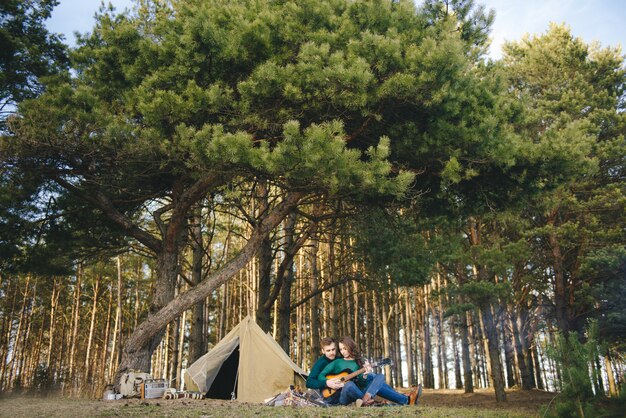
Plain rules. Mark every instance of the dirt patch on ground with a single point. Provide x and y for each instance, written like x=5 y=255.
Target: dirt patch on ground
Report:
x=529 y=401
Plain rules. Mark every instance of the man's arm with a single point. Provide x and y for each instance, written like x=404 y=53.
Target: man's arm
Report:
x=314 y=381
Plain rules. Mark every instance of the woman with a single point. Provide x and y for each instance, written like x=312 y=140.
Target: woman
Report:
x=364 y=387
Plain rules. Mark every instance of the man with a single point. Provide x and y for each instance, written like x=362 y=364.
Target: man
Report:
x=329 y=353
x=364 y=387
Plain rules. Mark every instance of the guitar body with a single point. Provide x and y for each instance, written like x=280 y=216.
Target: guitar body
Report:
x=328 y=392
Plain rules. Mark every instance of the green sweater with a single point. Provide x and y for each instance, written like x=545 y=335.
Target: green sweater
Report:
x=314 y=381
x=342 y=365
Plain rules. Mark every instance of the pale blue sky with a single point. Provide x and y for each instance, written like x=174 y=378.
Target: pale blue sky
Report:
x=592 y=20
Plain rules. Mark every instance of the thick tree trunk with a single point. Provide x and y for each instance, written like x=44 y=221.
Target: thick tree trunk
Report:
x=286 y=271
x=522 y=361
x=173 y=343
x=142 y=342
x=197 y=340
x=265 y=256
x=263 y=313
x=509 y=352
x=491 y=335
x=466 y=344
x=560 y=281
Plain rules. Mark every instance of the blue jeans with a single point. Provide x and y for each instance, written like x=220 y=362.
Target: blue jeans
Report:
x=375 y=386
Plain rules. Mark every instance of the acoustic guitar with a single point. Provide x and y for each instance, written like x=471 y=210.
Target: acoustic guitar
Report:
x=348 y=375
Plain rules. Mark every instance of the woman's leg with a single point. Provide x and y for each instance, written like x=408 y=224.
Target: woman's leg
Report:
x=390 y=394
x=374 y=383
x=349 y=393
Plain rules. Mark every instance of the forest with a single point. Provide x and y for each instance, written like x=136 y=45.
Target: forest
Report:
x=329 y=167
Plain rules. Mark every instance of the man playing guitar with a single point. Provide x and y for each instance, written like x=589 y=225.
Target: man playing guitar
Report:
x=329 y=353
x=363 y=388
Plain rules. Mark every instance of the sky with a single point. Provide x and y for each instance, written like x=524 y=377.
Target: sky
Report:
x=592 y=20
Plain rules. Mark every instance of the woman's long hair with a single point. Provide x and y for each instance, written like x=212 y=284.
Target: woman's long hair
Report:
x=349 y=343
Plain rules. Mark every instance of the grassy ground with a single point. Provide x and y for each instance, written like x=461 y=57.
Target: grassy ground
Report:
x=435 y=404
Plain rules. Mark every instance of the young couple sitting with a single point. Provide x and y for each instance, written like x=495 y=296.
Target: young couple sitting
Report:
x=363 y=388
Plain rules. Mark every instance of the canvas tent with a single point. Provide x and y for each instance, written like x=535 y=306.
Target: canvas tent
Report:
x=247 y=362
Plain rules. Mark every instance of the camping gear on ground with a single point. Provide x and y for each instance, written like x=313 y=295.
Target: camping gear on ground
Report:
x=292 y=397
x=131 y=383
x=153 y=388
x=172 y=393
x=247 y=365
x=110 y=395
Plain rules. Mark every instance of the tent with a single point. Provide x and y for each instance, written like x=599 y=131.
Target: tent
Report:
x=246 y=362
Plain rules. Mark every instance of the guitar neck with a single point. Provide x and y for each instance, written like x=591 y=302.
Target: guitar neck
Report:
x=353 y=375
x=358 y=372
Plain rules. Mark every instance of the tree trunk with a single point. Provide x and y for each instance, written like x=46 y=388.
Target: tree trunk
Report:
x=104 y=376
x=54 y=300
x=610 y=375
x=458 y=381
x=408 y=341
x=265 y=256
x=315 y=302
x=92 y=325
x=466 y=344
x=75 y=325
x=522 y=361
x=560 y=281
x=427 y=362
x=396 y=332
x=286 y=271
x=509 y=351
x=18 y=334
x=197 y=341
x=491 y=335
x=385 y=315
x=174 y=337
x=536 y=374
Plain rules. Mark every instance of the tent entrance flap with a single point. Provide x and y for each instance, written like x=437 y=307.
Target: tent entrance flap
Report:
x=226 y=379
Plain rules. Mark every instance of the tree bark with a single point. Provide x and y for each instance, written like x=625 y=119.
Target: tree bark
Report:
x=560 y=281
x=509 y=351
x=613 y=393
x=286 y=278
x=408 y=340
x=92 y=326
x=427 y=362
x=265 y=257
x=197 y=341
x=315 y=302
x=522 y=361
x=468 y=381
x=490 y=332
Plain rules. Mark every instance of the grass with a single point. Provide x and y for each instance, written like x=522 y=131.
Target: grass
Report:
x=435 y=404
